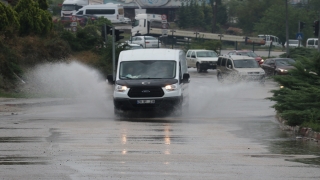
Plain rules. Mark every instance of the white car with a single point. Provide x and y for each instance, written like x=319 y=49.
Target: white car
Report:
x=237 y=68
x=128 y=46
x=145 y=41
x=293 y=43
x=201 y=59
x=126 y=20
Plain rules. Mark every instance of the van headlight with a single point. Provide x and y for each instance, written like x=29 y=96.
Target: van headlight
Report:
x=120 y=88
x=171 y=87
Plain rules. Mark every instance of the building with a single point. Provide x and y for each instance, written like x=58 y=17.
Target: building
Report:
x=167 y=7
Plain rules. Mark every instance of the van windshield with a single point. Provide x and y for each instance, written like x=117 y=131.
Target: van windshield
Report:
x=206 y=54
x=245 y=63
x=153 y=69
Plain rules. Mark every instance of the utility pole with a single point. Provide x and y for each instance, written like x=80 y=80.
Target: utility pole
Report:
x=287 y=30
x=214 y=16
x=319 y=34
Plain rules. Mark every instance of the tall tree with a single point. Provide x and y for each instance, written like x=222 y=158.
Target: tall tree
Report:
x=8 y=17
x=33 y=19
x=43 y=4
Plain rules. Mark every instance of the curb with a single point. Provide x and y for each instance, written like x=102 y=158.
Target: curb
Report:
x=304 y=133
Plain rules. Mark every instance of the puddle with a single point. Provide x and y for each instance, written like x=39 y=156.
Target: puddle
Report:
x=281 y=143
x=14 y=160
x=19 y=139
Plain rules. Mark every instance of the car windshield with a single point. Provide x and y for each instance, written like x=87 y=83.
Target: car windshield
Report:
x=70 y=7
x=293 y=42
x=150 y=38
x=135 y=47
x=206 y=54
x=245 y=63
x=285 y=62
x=152 y=69
x=250 y=54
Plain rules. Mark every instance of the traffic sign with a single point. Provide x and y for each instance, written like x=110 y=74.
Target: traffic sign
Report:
x=74 y=29
x=164 y=32
x=74 y=18
x=299 y=36
x=74 y=24
x=164 y=17
x=164 y=26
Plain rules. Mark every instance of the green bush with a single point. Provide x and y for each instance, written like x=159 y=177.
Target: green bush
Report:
x=299 y=100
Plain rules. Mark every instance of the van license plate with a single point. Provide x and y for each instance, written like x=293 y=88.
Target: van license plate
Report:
x=146 y=101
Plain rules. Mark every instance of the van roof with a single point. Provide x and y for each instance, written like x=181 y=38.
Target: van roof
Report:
x=149 y=54
x=101 y=5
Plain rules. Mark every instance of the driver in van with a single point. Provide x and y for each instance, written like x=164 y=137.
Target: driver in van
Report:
x=163 y=72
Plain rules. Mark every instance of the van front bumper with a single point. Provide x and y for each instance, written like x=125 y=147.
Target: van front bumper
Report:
x=167 y=104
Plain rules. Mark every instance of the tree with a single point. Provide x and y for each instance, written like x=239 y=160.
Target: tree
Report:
x=299 y=101
x=43 y=4
x=273 y=22
x=8 y=18
x=33 y=19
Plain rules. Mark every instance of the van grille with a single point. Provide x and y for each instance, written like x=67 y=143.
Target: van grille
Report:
x=145 y=92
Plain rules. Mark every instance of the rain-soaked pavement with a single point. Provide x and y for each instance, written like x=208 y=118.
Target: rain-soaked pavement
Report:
x=229 y=132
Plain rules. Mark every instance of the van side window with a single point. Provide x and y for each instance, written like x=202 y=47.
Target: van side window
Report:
x=310 y=42
x=100 y=11
x=188 y=54
x=229 y=63
x=223 y=63
x=193 y=54
x=316 y=42
x=219 y=62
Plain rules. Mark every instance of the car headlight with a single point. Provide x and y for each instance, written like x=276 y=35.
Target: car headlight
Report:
x=261 y=60
x=120 y=88
x=262 y=72
x=171 y=87
x=282 y=70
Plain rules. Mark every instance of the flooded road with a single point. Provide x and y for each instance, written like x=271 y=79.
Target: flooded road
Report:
x=229 y=132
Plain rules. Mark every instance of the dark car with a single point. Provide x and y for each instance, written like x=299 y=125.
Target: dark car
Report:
x=247 y=53
x=83 y=19
x=277 y=66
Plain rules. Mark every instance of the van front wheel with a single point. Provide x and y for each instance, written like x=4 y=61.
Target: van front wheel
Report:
x=199 y=68
x=219 y=77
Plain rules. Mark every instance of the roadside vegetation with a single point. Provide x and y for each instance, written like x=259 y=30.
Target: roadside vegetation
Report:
x=298 y=99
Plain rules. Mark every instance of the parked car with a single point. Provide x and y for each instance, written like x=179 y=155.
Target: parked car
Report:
x=201 y=59
x=277 y=66
x=145 y=41
x=312 y=43
x=293 y=43
x=127 y=46
x=247 y=53
x=239 y=68
x=126 y=20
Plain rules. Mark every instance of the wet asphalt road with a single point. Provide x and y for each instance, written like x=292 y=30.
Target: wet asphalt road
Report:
x=229 y=132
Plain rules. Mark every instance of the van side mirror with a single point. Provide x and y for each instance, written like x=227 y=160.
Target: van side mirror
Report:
x=229 y=66
x=193 y=56
x=185 y=78
x=110 y=79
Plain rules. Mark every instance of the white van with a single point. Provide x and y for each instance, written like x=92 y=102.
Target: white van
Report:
x=312 y=43
x=113 y=12
x=151 y=80
x=271 y=38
